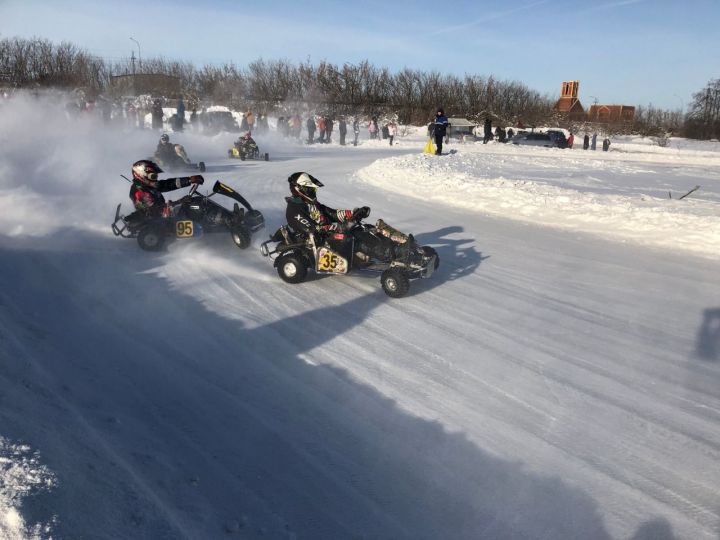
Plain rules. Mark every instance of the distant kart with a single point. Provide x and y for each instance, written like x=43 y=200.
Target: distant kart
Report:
x=178 y=162
x=192 y=216
x=252 y=152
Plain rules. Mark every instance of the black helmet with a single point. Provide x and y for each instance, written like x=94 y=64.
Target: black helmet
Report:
x=145 y=171
x=440 y=110
x=164 y=138
x=304 y=185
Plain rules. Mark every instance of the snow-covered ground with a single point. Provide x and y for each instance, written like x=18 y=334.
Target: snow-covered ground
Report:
x=558 y=377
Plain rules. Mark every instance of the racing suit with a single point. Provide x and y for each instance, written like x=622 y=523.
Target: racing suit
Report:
x=317 y=218
x=148 y=198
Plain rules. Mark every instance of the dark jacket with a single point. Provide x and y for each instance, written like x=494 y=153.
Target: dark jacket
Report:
x=146 y=197
x=441 y=124
x=311 y=125
x=342 y=127
x=314 y=218
x=165 y=151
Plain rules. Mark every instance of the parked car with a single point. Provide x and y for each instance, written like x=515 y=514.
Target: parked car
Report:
x=548 y=139
x=217 y=121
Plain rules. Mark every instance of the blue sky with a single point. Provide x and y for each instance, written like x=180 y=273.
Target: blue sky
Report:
x=630 y=52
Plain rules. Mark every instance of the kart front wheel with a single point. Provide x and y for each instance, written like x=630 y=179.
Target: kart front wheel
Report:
x=395 y=282
x=241 y=237
x=291 y=269
x=151 y=238
x=267 y=156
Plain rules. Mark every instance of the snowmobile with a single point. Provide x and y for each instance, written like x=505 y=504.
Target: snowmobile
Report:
x=191 y=216
x=293 y=254
x=178 y=162
x=248 y=151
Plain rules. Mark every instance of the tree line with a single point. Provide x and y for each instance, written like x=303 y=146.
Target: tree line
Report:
x=280 y=86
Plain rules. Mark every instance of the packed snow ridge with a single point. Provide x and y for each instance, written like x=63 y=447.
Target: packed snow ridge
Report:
x=625 y=194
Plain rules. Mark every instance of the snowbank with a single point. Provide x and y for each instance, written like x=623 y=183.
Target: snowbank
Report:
x=608 y=194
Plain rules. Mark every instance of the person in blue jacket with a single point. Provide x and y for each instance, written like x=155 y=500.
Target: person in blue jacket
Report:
x=441 y=124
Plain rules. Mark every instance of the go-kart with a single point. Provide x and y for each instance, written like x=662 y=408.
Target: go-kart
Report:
x=295 y=253
x=178 y=161
x=191 y=216
x=249 y=151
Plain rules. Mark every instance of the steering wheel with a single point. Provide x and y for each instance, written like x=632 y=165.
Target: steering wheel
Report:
x=193 y=189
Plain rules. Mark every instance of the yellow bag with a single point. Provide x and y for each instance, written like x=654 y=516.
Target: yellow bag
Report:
x=429 y=147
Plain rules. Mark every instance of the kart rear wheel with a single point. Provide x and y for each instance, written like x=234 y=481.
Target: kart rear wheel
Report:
x=151 y=238
x=242 y=156
x=429 y=252
x=241 y=237
x=291 y=268
x=267 y=156
x=395 y=282
x=201 y=166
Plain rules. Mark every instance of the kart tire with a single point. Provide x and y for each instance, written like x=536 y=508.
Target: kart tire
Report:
x=242 y=156
x=201 y=166
x=395 y=282
x=267 y=156
x=430 y=252
x=291 y=268
x=151 y=238
x=241 y=237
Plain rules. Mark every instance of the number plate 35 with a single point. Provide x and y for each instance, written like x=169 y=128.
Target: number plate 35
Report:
x=329 y=261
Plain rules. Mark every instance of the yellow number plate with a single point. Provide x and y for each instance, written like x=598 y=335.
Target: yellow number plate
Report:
x=183 y=229
x=329 y=261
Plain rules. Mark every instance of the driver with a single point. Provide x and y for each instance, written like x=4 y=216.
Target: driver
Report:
x=305 y=214
x=146 y=192
x=165 y=151
x=246 y=143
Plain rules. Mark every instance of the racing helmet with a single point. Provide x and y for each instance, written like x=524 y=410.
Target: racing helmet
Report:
x=146 y=171
x=304 y=185
x=164 y=138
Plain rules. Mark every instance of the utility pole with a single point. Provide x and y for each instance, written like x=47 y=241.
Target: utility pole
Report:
x=139 y=55
x=132 y=61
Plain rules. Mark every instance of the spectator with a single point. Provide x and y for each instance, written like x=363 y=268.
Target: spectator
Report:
x=328 y=128
x=441 y=124
x=180 y=114
x=194 y=119
x=593 y=143
x=373 y=128
x=586 y=142
x=342 y=128
x=250 y=117
x=487 y=129
x=606 y=144
x=392 y=130
x=297 y=126
x=356 y=130
x=385 y=132
x=510 y=133
x=321 y=129
x=244 y=126
x=157 y=115
x=570 y=140
x=502 y=137
x=311 y=129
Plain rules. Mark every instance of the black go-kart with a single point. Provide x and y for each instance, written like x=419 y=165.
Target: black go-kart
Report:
x=178 y=161
x=247 y=152
x=189 y=217
x=294 y=254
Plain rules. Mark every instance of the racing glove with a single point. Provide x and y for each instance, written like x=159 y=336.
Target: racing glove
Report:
x=197 y=179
